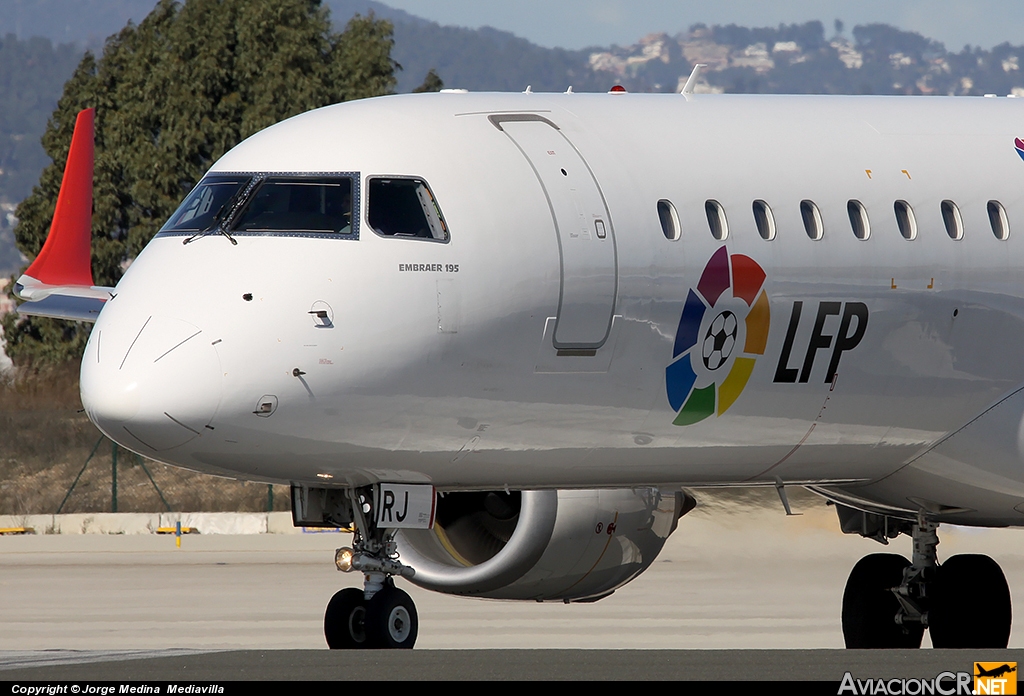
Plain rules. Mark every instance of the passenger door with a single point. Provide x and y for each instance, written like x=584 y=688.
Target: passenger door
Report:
x=586 y=240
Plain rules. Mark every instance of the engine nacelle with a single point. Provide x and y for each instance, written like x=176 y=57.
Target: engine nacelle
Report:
x=566 y=545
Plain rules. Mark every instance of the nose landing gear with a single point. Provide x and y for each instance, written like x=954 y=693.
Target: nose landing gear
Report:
x=889 y=601
x=380 y=615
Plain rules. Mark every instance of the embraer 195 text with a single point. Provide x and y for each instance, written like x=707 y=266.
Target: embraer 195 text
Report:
x=502 y=336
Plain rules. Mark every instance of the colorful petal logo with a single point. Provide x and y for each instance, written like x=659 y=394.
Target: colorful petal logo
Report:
x=714 y=323
x=1019 y=144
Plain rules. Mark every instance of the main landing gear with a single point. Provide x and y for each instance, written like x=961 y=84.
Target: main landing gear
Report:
x=889 y=601
x=380 y=615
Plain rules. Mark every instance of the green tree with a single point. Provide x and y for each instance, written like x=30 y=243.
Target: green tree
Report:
x=172 y=95
x=431 y=83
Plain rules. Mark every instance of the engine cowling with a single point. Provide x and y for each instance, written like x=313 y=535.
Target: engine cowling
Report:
x=570 y=545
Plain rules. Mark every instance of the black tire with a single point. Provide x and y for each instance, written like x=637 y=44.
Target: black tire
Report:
x=391 y=620
x=870 y=607
x=344 y=620
x=970 y=604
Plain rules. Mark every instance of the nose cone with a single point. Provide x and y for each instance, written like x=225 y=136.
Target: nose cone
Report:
x=150 y=382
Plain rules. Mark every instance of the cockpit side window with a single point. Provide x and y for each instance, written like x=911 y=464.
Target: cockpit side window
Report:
x=405 y=207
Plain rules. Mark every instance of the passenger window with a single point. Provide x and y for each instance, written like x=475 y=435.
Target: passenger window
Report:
x=997 y=218
x=669 y=220
x=858 y=219
x=952 y=220
x=405 y=208
x=716 y=220
x=299 y=204
x=765 y=220
x=905 y=220
x=812 y=220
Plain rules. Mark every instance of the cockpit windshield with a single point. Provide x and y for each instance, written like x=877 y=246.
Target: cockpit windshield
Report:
x=318 y=205
x=207 y=205
x=321 y=205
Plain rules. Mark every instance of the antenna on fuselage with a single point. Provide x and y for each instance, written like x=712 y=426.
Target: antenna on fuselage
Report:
x=691 y=81
x=780 y=488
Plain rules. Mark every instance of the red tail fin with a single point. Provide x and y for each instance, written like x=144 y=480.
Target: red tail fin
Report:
x=65 y=258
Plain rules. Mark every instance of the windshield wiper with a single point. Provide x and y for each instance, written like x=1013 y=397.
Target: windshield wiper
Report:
x=215 y=223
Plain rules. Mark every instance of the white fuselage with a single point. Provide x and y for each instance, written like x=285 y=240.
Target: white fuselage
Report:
x=507 y=357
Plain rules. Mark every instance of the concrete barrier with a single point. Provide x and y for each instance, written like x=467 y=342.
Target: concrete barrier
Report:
x=217 y=522
x=148 y=523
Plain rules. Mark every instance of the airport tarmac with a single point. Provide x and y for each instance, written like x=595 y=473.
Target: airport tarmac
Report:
x=730 y=578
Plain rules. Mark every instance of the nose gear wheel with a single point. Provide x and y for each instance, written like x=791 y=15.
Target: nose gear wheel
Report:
x=344 y=620
x=391 y=620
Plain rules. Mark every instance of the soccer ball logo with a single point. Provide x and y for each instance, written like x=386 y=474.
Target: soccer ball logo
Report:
x=720 y=333
x=720 y=340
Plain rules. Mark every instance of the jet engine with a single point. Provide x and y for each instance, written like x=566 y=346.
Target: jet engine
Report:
x=570 y=545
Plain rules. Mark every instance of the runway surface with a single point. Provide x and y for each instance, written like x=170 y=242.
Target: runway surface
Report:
x=731 y=578
x=504 y=665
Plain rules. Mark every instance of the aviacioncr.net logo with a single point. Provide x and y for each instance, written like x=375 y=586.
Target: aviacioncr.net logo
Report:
x=945 y=684
x=722 y=329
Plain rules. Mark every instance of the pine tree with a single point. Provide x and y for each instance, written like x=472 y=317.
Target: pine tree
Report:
x=172 y=95
x=431 y=83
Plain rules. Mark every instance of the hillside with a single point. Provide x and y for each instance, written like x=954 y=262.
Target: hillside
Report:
x=32 y=75
x=800 y=58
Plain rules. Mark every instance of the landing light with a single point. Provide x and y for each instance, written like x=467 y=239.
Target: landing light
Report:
x=343 y=559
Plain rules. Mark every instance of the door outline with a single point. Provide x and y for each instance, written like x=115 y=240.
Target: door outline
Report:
x=575 y=347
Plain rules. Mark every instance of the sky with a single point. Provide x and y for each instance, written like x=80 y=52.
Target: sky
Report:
x=581 y=23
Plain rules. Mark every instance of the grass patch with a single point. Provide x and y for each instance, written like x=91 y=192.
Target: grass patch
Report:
x=45 y=438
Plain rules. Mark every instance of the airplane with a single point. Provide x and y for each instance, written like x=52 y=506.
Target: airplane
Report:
x=995 y=671
x=505 y=337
